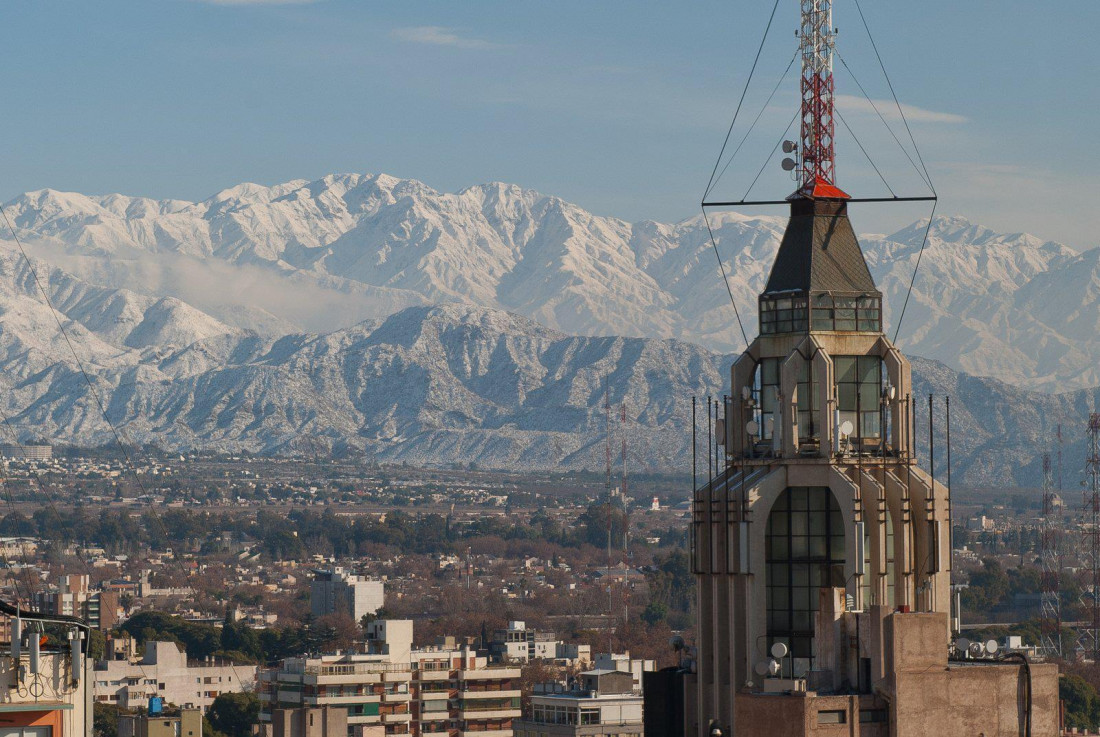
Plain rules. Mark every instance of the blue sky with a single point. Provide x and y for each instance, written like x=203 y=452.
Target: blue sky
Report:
x=618 y=106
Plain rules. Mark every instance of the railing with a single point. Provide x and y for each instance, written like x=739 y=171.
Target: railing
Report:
x=350 y=669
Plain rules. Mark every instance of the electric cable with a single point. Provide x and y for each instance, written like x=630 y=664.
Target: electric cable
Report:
x=861 y=148
x=741 y=101
x=755 y=121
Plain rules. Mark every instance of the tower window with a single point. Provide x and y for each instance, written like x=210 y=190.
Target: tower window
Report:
x=846 y=314
x=782 y=314
x=859 y=394
x=804 y=544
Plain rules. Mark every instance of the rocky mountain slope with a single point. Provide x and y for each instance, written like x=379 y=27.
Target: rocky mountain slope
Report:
x=327 y=254
x=428 y=385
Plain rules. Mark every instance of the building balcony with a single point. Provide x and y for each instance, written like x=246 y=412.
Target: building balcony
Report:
x=433 y=675
x=434 y=734
x=364 y=719
x=502 y=712
x=335 y=699
x=503 y=694
x=397 y=676
x=486 y=733
x=489 y=674
x=397 y=718
x=395 y=698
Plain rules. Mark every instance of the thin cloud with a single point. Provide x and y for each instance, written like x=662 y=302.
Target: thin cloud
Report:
x=440 y=36
x=890 y=111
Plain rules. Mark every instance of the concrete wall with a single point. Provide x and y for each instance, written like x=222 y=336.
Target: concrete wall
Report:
x=953 y=699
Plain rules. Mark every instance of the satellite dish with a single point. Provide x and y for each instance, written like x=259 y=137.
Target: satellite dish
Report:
x=977 y=649
x=762 y=667
x=893 y=392
x=962 y=645
x=774 y=667
x=753 y=428
x=677 y=643
x=779 y=651
x=789 y=147
x=789 y=165
x=992 y=647
x=746 y=393
x=846 y=428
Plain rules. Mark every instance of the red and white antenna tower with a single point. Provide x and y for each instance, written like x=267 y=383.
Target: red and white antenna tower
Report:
x=1050 y=605
x=817 y=153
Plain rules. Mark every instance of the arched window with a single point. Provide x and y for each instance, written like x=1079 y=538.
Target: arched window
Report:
x=804 y=552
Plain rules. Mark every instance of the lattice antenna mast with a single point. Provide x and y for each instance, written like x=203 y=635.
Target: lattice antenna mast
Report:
x=817 y=153
x=1050 y=578
x=1091 y=634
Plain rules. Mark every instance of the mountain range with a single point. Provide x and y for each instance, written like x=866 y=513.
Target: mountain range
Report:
x=315 y=256
x=373 y=315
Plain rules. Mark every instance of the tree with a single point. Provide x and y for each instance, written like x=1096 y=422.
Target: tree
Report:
x=105 y=720
x=233 y=714
x=1081 y=701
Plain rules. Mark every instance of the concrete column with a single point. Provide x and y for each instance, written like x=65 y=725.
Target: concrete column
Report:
x=822 y=367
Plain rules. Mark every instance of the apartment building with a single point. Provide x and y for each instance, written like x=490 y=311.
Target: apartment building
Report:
x=73 y=597
x=441 y=691
x=518 y=644
x=601 y=702
x=337 y=591
x=164 y=671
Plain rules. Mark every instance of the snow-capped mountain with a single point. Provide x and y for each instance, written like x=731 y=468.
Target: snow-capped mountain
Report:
x=327 y=254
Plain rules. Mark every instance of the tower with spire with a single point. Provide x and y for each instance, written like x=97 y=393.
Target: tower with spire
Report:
x=821 y=550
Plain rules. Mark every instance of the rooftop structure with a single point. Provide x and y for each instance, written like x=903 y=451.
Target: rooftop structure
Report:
x=599 y=702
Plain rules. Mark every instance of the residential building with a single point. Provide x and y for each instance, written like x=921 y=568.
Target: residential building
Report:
x=306 y=721
x=601 y=702
x=518 y=644
x=30 y=452
x=338 y=592
x=185 y=723
x=49 y=693
x=439 y=691
x=72 y=597
x=164 y=671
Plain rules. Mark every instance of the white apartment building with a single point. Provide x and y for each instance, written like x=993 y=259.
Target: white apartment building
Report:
x=602 y=703
x=518 y=644
x=165 y=671
x=340 y=592
x=394 y=689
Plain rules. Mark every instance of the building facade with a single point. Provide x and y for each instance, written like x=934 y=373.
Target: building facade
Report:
x=394 y=688
x=601 y=702
x=185 y=723
x=165 y=672
x=340 y=592
x=73 y=597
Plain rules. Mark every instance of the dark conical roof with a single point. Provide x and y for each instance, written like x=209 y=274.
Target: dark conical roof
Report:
x=820 y=252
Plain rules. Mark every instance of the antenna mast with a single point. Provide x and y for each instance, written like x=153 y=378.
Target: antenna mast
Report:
x=1091 y=634
x=817 y=152
x=1050 y=607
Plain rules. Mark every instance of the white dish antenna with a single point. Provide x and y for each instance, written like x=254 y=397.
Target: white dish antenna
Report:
x=779 y=651
x=846 y=428
x=962 y=645
x=762 y=667
x=753 y=428
x=774 y=667
x=991 y=647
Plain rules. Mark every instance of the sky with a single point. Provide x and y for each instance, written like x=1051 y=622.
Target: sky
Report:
x=620 y=107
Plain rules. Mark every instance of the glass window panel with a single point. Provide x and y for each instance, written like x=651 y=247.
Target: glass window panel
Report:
x=846 y=397
x=800 y=547
x=870 y=369
x=799 y=523
x=818 y=547
x=845 y=368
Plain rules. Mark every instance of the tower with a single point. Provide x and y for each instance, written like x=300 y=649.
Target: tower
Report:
x=1050 y=607
x=821 y=550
